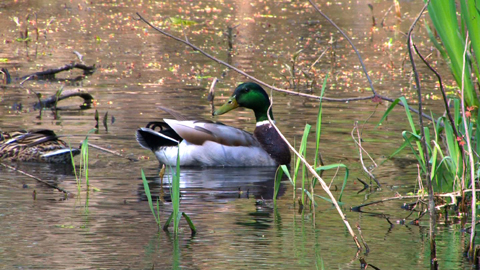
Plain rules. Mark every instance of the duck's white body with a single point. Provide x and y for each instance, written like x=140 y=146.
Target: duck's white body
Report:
x=214 y=154
x=205 y=144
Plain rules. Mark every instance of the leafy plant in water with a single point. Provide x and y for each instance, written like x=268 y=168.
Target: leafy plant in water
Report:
x=302 y=151
x=453 y=37
x=448 y=164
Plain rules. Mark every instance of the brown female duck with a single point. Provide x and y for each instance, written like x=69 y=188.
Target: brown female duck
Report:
x=40 y=145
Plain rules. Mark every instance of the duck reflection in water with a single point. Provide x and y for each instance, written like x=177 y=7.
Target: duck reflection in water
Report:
x=217 y=184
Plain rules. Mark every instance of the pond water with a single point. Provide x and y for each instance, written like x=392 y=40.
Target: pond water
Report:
x=139 y=69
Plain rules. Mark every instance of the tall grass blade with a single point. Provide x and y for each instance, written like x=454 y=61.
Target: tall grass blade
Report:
x=278 y=180
x=176 y=194
x=319 y=123
x=287 y=173
x=176 y=254
x=146 y=188
x=302 y=151
x=444 y=17
x=328 y=200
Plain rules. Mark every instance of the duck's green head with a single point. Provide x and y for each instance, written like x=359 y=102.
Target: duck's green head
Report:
x=249 y=95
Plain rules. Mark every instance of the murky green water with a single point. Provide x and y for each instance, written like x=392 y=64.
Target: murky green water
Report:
x=139 y=69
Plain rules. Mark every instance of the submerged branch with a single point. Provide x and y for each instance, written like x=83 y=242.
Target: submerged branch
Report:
x=49 y=74
x=36 y=178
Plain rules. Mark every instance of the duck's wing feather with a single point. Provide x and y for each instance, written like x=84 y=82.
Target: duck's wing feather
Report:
x=31 y=138
x=198 y=132
x=173 y=113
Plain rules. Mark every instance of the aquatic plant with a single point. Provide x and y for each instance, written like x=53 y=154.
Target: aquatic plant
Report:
x=175 y=195
x=308 y=185
x=148 y=194
x=83 y=167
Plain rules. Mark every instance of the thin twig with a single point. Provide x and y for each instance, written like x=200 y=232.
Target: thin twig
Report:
x=367 y=249
x=361 y=150
x=351 y=43
x=34 y=177
x=245 y=74
x=444 y=95
x=386 y=13
x=268 y=85
x=211 y=94
x=111 y=152
x=431 y=202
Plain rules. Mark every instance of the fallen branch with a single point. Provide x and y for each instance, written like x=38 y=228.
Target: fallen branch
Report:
x=54 y=99
x=49 y=74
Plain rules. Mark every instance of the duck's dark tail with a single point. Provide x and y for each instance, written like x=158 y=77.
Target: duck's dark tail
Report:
x=148 y=138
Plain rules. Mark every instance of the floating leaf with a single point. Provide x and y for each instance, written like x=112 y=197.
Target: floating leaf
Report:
x=178 y=21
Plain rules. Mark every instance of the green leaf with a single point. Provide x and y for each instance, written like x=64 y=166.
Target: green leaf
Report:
x=178 y=21
x=336 y=166
x=190 y=223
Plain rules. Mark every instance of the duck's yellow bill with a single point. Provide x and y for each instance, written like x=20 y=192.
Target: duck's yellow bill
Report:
x=230 y=105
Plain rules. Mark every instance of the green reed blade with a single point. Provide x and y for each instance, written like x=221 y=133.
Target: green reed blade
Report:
x=146 y=188
x=477 y=133
x=278 y=180
x=444 y=17
x=302 y=150
x=309 y=195
x=419 y=156
x=328 y=200
x=470 y=13
x=287 y=173
x=167 y=222
x=319 y=123
x=336 y=166
x=190 y=223
x=175 y=193
x=77 y=179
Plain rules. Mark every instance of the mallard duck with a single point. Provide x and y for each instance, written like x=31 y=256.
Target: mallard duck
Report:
x=36 y=145
x=206 y=143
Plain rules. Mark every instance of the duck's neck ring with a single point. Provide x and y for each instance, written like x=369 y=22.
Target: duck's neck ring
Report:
x=264 y=122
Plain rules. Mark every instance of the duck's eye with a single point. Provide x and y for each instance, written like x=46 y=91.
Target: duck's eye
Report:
x=229 y=102
x=246 y=90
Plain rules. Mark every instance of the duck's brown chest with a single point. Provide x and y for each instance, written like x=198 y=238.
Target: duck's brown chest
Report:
x=272 y=143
